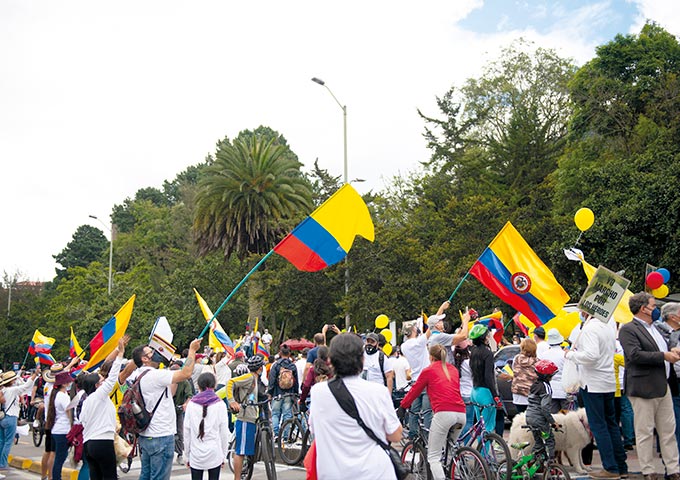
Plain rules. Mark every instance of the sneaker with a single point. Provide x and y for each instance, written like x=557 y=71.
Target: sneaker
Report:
x=36 y=424
x=2 y=476
x=604 y=474
x=180 y=460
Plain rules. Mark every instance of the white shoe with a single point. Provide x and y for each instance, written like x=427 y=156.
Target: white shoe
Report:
x=36 y=424
x=2 y=476
x=180 y=460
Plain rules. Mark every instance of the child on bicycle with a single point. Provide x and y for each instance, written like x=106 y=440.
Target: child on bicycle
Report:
x=538 y=414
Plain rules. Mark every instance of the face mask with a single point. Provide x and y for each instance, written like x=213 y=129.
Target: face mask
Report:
x=371 y=349
x=656 y=314
x=157 y=357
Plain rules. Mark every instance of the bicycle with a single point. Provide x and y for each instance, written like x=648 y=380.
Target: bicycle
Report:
x=264 y=444
x=531 y=464
x=460 y=462
x=490 y=445
x=37 y=432
x=294 y=435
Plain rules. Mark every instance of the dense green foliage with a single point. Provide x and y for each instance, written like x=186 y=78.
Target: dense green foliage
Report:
x=531 y=140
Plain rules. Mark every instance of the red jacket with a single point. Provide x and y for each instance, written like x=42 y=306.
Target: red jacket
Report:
x=444 y=393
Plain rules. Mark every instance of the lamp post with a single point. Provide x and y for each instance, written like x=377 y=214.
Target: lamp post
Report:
x=344 y=177
x=110 y=249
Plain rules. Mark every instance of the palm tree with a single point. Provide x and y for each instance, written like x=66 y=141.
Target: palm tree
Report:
x=247 y=201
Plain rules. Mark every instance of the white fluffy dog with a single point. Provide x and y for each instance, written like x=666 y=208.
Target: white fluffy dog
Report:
x=575 y=435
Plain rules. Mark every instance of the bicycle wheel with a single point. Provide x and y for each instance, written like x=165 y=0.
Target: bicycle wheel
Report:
x=468 y=464
x=267 y=453
x=248 y=467
x=37 y=435
x=495 y=450
x=230 y=454
x=414 y=456
x=555 y=471
x=290 y=442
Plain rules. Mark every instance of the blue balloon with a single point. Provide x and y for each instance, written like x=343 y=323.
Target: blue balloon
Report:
x=665 y=274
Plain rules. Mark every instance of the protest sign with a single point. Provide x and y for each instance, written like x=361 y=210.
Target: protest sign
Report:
x=603 y=294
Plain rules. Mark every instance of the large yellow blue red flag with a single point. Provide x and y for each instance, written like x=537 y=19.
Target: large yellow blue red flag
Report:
x=107 y=338
x=325 y=237
x=41 y=347
x=74 y=349
x=514 y=273
x=218 y=338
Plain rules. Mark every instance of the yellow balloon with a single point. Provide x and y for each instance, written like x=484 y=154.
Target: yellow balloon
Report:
x=661 y=292
x=584 y=219
x=387 y=333
x=387 y=349
x=381 y=321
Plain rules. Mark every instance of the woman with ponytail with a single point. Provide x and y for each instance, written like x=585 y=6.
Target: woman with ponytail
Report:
x=206 y=431
x=443 y=387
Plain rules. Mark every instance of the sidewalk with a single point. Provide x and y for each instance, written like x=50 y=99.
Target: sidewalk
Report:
x=34 y=465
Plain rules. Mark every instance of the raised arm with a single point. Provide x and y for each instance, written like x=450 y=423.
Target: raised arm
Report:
x=188 y=368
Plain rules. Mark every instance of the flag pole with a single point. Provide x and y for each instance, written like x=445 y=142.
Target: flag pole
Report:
x=459 y=285
x=257 y=265
x=23 y=364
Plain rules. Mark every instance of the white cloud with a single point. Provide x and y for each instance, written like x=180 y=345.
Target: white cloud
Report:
x=100 y=100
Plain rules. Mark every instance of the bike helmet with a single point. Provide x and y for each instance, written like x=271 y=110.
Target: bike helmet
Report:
x=545 y=367
x=241 y=369
x=478 y=331
x=255 y=362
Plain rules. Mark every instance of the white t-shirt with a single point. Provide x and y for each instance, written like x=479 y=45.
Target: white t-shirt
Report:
x=344 y=451
x=300 y=366
x=210 y=451
x=401 y=366
x=62 y=424
x=267 y=338
x=372 y=367
x=594 y=351
x=222 y=371
x=556 y=355
x=415 y=351
x=465 y=379
x=98 y=413
x=542 y=347
x=12 y=397
x=154 y=385
x=47 y=391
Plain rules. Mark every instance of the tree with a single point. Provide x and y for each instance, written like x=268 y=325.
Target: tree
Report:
x=248 y=200
x=87 y=245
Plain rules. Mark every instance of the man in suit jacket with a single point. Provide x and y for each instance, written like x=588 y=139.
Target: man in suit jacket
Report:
x=648 y=364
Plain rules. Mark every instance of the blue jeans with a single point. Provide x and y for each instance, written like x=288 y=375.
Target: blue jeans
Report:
x=157 y=454
x=676 y=410
x=421 y=403
x=469 y=415
x=602 y=420
x=60 y=454
x=8 y=428
x=627 y=428
x=282 y=410
x=483 y=396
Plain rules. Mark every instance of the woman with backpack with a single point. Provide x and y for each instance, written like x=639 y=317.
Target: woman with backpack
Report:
x=321 y=371
x=98 y=416
x=206 y=434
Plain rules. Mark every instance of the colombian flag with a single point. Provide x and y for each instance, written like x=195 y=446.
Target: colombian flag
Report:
x=218 y=338
x=107 y=338
x=41 y=348
x=260 y=349
x=514 y=273
x=325 y=237
x=74 y=349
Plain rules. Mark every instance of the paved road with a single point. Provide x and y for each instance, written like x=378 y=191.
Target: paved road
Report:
x=26 y=449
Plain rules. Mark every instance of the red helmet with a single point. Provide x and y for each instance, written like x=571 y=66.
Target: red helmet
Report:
x=545 y=367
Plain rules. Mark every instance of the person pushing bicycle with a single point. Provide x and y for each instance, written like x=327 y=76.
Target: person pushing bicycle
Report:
x=240 y=390
x=538 y=414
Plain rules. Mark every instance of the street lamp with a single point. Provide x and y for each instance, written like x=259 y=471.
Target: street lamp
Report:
x=110 y=249
x=345 y=177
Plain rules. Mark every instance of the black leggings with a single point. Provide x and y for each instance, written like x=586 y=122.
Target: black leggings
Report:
x=213 y=474
x=101 y=457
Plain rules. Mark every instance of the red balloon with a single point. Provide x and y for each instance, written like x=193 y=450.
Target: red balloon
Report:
x=654 y=280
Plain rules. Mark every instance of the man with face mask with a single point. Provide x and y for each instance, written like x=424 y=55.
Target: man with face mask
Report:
x=157 y=442
x=377 y=366
x=648 y=366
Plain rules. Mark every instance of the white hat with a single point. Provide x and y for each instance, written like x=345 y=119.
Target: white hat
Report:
x=555 y=337
x=161 y=339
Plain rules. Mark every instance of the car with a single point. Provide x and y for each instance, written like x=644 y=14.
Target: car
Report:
x=504 y=356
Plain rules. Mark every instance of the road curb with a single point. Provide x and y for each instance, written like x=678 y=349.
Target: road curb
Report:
x=23 y=463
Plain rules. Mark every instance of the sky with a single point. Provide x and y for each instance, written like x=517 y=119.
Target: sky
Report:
x=100 y=99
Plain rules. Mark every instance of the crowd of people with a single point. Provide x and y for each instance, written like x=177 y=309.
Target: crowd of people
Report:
x=628 y=378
